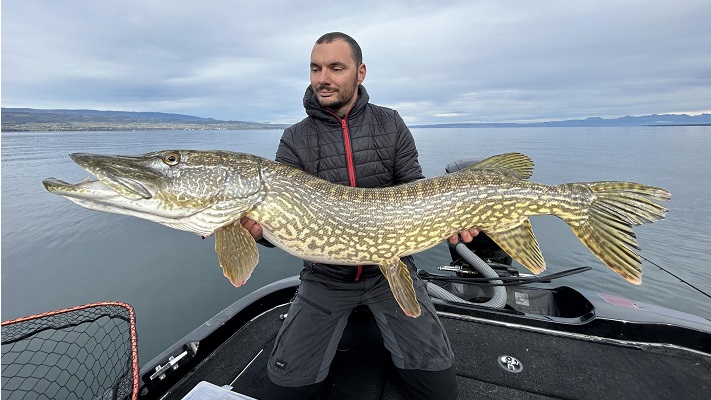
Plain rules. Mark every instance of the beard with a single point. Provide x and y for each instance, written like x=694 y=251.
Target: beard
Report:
x=343 y=96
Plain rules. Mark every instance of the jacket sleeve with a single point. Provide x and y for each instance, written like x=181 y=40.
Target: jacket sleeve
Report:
x=407 y=166
x=285 y=152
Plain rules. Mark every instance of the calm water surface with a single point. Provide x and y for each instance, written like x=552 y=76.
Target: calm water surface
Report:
x=56 y=254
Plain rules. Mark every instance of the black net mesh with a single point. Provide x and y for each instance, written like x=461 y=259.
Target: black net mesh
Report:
x=86 y=352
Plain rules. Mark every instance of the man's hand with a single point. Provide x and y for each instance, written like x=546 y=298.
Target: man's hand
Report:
x=254 y=228
x=467 y=236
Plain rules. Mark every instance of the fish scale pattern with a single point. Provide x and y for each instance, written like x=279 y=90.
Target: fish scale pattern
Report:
x=315 y=216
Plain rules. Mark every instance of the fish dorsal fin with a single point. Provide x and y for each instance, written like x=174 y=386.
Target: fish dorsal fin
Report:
x=518 y=163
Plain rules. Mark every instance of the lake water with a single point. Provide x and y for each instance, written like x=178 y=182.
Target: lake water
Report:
x=56 y=254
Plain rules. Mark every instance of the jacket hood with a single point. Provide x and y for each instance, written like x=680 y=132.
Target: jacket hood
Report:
x=315 y=110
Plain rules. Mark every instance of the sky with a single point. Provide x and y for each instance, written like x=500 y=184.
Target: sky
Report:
x=433 y=61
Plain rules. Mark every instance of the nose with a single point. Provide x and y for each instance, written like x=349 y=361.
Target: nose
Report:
x=322 y=76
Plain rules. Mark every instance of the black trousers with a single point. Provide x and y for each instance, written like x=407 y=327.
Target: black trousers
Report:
x=307 y=341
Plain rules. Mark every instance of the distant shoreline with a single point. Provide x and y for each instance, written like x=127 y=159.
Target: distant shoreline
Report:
x=132 y=128
x=42 y=120
x=681 y=125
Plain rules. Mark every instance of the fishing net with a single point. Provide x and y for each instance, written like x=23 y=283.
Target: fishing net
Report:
x=85 y=352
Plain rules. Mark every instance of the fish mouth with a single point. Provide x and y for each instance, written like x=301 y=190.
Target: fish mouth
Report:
x=116 y=175
x=91 y=190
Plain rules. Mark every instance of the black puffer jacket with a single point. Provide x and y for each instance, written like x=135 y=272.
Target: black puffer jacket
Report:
x=370 y=147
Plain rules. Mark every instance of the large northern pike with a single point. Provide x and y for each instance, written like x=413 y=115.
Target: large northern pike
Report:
x=207 y=192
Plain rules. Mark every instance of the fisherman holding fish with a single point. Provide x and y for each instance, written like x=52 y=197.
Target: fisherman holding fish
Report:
x=347 y=140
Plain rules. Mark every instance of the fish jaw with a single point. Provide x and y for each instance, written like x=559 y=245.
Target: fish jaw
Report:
x=88 y=189
x=95 y=195
x=133 y=177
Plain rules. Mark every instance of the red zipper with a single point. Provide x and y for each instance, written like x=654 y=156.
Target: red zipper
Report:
x=351 y=169
x=349 y=152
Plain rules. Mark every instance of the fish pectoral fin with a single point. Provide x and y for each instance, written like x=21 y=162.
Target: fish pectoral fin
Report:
x=398 y=277
x=520 y=243
x=237 y=253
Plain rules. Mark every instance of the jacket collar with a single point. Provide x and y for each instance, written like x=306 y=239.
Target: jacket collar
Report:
x=314 y=109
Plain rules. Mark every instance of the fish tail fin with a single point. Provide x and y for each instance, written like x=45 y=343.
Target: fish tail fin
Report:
x=607 y=228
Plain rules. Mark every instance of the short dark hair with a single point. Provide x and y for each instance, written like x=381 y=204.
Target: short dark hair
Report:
x=355 y=48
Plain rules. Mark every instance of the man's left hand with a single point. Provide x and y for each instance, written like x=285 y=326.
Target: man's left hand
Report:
x=467 y=236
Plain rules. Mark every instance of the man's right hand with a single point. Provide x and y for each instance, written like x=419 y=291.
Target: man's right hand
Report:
x=253 y=227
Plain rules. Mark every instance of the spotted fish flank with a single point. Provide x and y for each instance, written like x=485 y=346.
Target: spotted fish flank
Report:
x=207 y=192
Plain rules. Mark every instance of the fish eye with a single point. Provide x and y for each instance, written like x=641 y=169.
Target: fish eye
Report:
x=171 y=158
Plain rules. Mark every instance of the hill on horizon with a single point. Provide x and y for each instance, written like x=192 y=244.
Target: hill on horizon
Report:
x=644 y=120
x=31 y=119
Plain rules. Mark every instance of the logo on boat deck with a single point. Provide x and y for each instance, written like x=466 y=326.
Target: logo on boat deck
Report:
x=521 y=298
x=510 y=364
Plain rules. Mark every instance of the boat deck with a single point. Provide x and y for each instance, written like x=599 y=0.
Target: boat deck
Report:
x=556 y=365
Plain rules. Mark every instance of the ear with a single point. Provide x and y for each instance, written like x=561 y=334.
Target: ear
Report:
x=361 y=73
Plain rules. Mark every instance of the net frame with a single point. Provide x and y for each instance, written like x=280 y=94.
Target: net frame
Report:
x=25 y=329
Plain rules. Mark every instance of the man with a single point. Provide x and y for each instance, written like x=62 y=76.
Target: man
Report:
x=349 y=141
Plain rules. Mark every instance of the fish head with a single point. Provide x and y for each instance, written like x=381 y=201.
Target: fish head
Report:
x=195 y=191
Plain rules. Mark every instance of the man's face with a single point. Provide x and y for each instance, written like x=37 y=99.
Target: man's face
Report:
x=335 y=76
